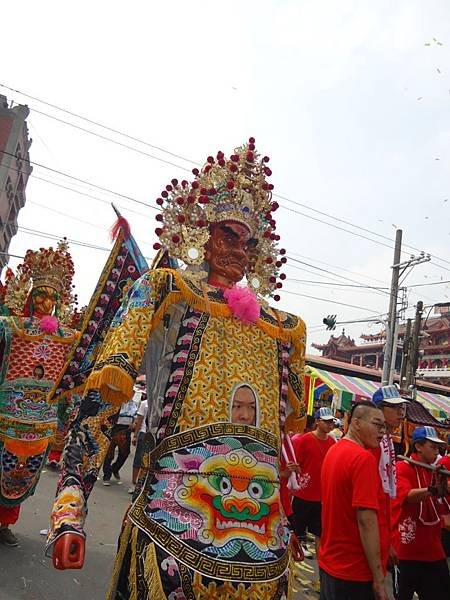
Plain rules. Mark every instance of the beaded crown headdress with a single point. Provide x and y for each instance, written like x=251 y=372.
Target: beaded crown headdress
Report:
x=46 y=267
x=234 y=189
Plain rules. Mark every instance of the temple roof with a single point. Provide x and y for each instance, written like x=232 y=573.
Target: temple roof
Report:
x=341 y=342
x=344 y=343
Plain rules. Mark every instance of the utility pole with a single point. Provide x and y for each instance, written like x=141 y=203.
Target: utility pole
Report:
x=415 y=341
x=387 y=376
x=406 y=358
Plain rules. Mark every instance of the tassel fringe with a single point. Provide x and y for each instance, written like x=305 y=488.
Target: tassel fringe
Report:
x=114 y=384
x=124 y=540
x=151 y=574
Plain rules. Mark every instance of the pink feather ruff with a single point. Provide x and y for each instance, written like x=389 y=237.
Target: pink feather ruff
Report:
x=243 y=303
x=49 y=324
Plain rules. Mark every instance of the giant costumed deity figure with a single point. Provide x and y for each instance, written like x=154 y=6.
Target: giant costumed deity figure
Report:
x=224 y=369
x=34 y=341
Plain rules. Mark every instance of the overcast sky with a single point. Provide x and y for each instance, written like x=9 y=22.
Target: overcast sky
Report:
x=350 y=99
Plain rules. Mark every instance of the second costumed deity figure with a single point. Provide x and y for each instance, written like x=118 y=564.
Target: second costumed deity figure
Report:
x=36 y=335
x=224 y=371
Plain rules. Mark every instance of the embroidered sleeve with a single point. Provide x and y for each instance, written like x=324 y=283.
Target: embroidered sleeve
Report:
x=111 y=383
x=85 y=448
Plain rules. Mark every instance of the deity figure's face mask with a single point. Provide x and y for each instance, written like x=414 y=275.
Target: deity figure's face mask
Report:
x=227 y=251
x=44 y=300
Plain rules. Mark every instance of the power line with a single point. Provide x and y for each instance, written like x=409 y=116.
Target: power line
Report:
x=9 y=254
x=342 y=277
x=51 y=236
x=105 y=138
x=427 y=284
x=142 y=214
x=322 y=262
x=147 y=216
x=330 y=301
x=356 y=226
x=349 y=285
x=109 y=191
x=332 y=282
x=439 y=266
x=164 y=150
x=72 y=217
x=108 y=139
x=378 y=290
x=94 y=246
x=73 y=114
x=47 y=235
x=84 y=182
x=55 y=183
x=327 y=278
x=335 y=284
x=113 y=192
x=99 y=187
x=103 y=189
x=298 y=212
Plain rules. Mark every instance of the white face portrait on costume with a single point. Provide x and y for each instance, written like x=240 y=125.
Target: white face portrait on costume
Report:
x=244 y=405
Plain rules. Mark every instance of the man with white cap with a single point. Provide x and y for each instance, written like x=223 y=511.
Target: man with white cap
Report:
x=393 y=406
x=310 y=450
x=418 y=517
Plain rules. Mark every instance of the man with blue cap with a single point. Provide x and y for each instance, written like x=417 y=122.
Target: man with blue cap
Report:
x=310 y=450
x=388 y=399
x=418 y=515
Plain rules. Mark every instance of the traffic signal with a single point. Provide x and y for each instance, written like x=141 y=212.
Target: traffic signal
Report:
x=330 y=322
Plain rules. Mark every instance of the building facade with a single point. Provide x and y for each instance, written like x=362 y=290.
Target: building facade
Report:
x=344 y=349
x=434 y=347
x=14 y=170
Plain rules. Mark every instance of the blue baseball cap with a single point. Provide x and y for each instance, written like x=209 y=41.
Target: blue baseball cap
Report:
x=426 y=433
x=324 y=414
x=388 y=394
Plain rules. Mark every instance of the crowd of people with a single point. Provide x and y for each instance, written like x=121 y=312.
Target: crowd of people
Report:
x=368 y=512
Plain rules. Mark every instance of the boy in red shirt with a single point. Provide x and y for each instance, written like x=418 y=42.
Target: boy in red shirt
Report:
x=310 y=450
x=417 y=514
x=349 y=558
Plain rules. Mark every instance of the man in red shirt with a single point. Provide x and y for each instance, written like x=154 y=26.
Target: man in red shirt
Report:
x=349 y=558
x=310 y=450
x=417 y=514
x=388 y=399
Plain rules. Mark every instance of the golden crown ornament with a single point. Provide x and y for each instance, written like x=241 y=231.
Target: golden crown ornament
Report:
x=46 y=267
x=225 y=189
